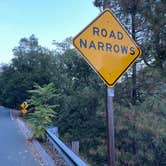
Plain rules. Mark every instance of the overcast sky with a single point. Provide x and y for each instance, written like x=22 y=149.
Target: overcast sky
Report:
x=48 y=20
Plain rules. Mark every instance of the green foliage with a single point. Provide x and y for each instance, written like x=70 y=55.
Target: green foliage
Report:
x=98 y=3
x=140 y=129
x=31 y=64
x=42 y=95
x=39 y=119
x=154 y=40
x=43 y=113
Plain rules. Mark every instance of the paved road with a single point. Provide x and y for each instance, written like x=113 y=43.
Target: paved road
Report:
x=14 y=150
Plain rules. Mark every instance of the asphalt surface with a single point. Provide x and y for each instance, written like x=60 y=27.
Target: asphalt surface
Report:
x=14 y=149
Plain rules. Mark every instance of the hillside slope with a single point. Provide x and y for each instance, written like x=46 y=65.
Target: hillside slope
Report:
x=141 y=129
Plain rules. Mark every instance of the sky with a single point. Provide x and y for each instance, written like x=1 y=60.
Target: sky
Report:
x=48 y=20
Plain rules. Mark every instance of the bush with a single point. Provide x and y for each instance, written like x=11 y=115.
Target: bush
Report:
x=42 y=109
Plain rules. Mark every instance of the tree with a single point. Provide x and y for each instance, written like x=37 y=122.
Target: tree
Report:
x=42 y=105
x=154 y=43
x=148 y=120
x=31 y=64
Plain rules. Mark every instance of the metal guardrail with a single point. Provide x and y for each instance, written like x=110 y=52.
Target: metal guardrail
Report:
x=69 y=156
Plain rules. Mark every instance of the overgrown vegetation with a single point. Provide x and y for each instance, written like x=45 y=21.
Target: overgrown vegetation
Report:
x=140 y=129
x=41 y=109
x=139 y=126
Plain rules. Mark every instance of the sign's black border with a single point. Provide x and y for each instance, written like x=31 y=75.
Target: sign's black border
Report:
x=107 y=10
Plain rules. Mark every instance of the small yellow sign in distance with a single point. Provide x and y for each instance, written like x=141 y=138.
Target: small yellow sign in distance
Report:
x=24 y=111
x=24 y=105
x=107 y=47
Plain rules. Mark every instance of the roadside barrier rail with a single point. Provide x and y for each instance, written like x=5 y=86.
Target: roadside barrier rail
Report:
x=68 y=155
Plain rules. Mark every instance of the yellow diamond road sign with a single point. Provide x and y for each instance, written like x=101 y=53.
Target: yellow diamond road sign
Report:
x=24 y=105
x=107 y=47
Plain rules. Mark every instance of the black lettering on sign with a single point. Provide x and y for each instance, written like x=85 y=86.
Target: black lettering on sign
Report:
x=96 y=31
x=101 y=46
x=124 y=49
x=116 y=48
x=132 y=52
x=92 y=45
x=120 y=35
x=108 y=47
x=104 y=32
x=112 y=35
x=83 y=43
x=107 y=33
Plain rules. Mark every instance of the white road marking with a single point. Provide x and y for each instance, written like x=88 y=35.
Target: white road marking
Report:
x=11 y=116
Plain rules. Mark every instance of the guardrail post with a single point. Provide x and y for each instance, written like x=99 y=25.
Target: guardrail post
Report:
x=75 y=147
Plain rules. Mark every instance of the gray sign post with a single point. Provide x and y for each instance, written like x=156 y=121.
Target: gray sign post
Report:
x=110 y=127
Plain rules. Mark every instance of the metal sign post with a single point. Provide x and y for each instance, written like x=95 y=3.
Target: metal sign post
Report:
x=110 y=127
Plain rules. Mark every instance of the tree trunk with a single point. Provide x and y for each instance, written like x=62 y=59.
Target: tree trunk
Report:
x=157 y=47
x=134 y=68
x=134 y=84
